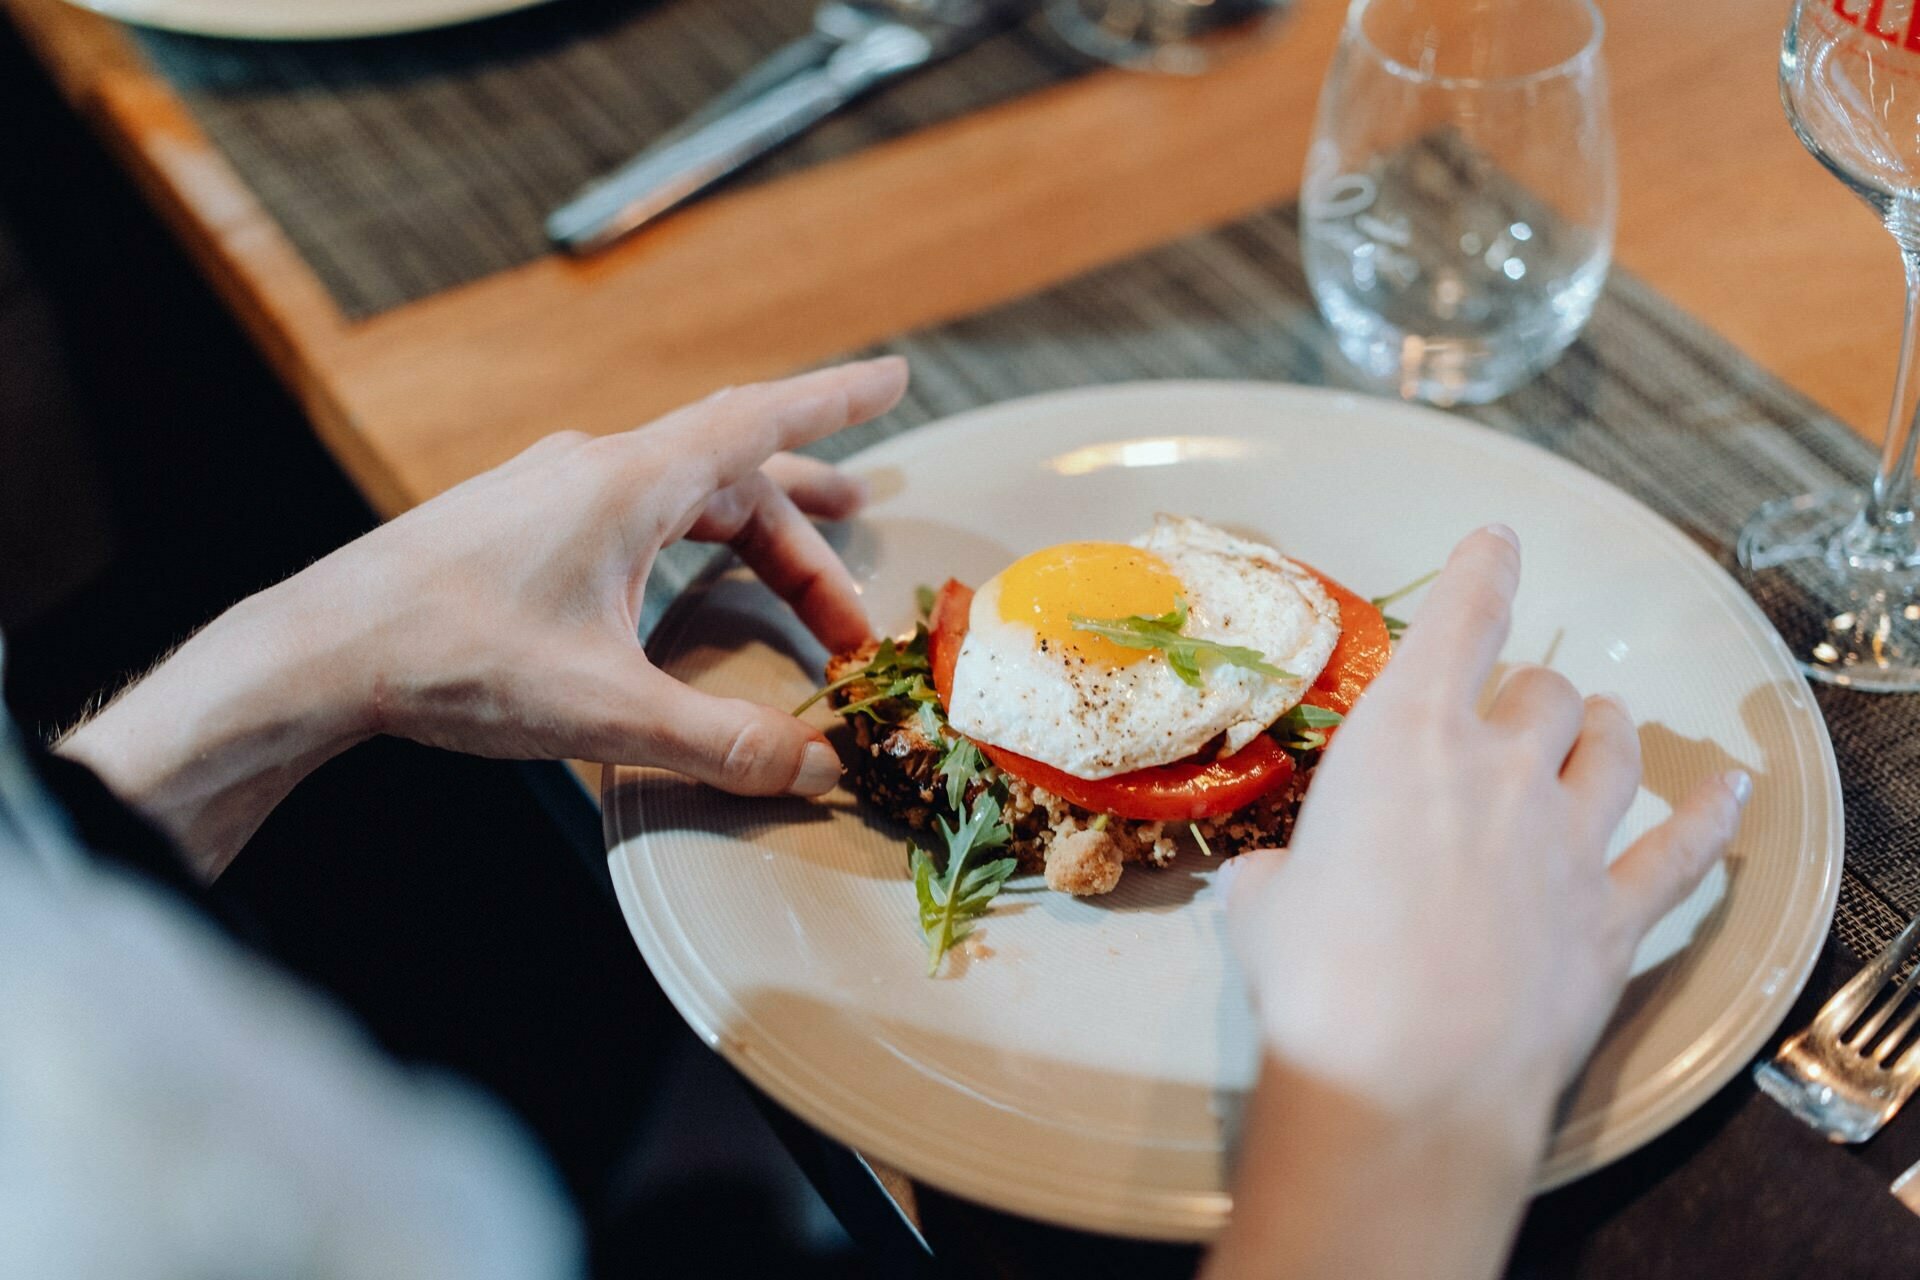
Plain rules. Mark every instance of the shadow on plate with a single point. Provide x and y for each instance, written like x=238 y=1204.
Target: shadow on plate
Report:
x=1052 y=1127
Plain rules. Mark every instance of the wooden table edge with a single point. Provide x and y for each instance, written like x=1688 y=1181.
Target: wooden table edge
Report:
x=413 y=400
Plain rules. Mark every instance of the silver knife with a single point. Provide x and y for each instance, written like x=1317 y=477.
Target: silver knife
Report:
x=854 y=47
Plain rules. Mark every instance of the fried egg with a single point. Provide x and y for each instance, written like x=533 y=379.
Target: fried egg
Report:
x=1028 y=680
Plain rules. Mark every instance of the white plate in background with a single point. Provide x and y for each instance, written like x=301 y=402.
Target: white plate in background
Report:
x=303 y=20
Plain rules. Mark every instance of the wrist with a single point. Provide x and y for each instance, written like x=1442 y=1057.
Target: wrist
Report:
x=1410 y=1055
x=1329 y=1183
x=310 y=674
x=219 y=732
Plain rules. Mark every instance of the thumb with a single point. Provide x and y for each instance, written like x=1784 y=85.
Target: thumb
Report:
x=738 y=746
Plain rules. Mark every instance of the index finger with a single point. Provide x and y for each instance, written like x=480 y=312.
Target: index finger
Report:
x=1455 y=637
x=774 y=538
x=736 y=430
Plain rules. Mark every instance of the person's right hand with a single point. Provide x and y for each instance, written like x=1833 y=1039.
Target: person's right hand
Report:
x=1445 y=932
x=1435 y=955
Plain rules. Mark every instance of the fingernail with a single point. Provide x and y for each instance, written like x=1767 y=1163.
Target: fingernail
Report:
x=1740 y=782
x=881 y=362
x=819 y=771
x=1615 y=701
x=1505 y=534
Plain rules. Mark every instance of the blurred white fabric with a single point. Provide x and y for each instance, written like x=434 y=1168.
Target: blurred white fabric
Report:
x=170 y=1107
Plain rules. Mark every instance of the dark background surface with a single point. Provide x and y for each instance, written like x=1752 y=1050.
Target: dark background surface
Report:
x=152 y=471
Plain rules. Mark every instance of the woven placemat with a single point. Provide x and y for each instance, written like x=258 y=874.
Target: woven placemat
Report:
x=404 y=166
x=1647 y=398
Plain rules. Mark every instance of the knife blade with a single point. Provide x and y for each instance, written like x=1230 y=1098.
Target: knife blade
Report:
x=852 y=50
x=1906 y=1188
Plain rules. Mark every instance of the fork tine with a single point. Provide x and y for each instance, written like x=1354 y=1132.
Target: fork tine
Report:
x=1885 y=1048
x=1908 y=1063
x=1872 y=1025
x=1850 y=1001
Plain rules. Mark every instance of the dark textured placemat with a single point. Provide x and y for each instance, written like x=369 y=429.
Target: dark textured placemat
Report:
x=403 y=166
x=1657 y=404
x=1647 y=398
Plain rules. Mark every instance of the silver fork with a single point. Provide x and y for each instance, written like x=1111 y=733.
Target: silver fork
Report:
x=1842 y=1075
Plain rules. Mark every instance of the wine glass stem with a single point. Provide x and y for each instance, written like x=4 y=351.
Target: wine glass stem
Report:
x=1883 y=537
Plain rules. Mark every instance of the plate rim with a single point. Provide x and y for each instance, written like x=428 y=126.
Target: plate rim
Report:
x=284 y=25
x=1163 y=1214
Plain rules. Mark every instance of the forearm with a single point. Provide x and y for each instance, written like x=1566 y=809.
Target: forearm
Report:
x=1330 y=1185
x=212 y=739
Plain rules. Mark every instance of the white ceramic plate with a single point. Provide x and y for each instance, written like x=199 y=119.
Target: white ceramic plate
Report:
x=305 y=20
x=1088 y=1070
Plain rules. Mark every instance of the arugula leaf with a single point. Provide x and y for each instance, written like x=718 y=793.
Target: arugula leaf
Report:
x=915 y=688
x=923 y=598
x=1187 y=656
x=951 y=901
x=1401 y=593
x=832 y=686
x=1304 y=728
x=959 y=766
x=896 y=671
x=1396 y=627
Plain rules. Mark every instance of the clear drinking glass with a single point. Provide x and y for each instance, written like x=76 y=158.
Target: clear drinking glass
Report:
x=1458 y=206
x=1839 y=572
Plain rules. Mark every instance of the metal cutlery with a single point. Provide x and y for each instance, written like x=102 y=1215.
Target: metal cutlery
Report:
x=1906 y=1188
x=1846 y=1074
x=855 y=45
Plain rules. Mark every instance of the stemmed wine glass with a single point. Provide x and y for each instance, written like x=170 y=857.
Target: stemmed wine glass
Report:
x=1839 y=572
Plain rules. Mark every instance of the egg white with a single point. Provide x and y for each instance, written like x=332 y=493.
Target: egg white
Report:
x=1094 y=721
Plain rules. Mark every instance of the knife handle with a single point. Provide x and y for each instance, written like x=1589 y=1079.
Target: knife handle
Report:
x=663 y=176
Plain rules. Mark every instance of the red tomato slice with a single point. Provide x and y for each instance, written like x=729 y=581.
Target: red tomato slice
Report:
x=1179 y=792
x=946 y=628
x=1360 y=654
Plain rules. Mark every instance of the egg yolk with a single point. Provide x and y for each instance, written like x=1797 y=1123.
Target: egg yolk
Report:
x=1047 y=589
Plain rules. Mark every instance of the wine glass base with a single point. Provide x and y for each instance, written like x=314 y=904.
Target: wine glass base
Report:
x=1846 y=621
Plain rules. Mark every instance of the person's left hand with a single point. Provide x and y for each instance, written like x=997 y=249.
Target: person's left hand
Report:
x=501 y=619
